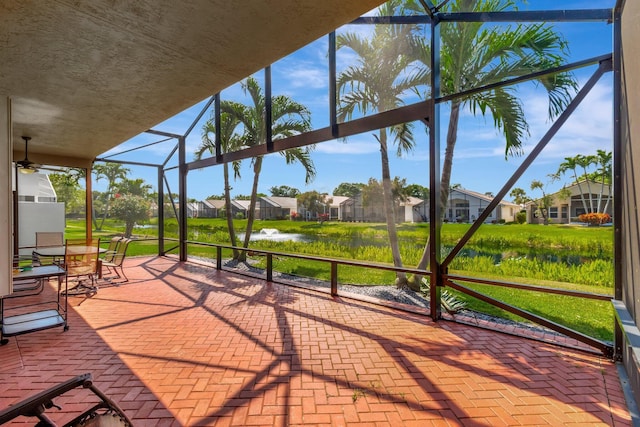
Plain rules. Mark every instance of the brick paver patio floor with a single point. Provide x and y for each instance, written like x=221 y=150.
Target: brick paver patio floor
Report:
x=181 y=344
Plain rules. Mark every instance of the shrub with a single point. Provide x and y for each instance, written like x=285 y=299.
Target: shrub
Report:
x=595 y=218
x=521 y=217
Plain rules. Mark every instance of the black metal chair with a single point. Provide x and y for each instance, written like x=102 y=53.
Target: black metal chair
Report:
x=104 y=413
x=47 y=239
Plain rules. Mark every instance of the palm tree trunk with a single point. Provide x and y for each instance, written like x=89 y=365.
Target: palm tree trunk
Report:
x=589 y=190
x=445 y=181
x=584 y=202
x=229 y=210
x=257 y=167
x=389 y=213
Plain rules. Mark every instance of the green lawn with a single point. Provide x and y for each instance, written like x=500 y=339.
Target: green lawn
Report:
x=568 y=257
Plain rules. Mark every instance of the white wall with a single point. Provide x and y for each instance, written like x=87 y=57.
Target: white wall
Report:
x=6 y=197
x=39 y=217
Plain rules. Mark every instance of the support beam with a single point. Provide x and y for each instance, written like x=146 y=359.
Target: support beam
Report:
x=88 y=203
x=435 y=217
x=6 y=195
x=182 y=197
x=160 y=202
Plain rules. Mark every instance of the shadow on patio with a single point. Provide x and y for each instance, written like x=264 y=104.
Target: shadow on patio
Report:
x=182 y=344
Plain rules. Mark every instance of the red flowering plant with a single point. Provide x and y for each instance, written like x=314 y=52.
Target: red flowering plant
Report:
x=595 y=218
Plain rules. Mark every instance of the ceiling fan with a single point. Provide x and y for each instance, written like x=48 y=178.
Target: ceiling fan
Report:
x=26 y=166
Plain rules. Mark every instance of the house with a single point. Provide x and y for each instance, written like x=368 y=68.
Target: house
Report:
x=355 y=209
x=335 y=207
x=413 y=210
x=202 y=209
x=242 y=207
x=38 y=208
x=276 y=207
x=583 y=197
x=465 y=206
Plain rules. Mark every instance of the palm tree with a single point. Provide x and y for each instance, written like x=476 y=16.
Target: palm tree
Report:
x=288 y=118
x=519 y=196
x=584 y=162
x=113 y=173
x=375 y=84
x=230 y=141
x=571 y=164
x=543 y=202
x=604 y=161
x=474 y=55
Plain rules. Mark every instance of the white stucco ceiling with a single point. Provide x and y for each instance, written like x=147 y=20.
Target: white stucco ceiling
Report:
x=85 y=76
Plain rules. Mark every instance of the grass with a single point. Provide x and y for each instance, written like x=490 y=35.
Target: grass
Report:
x=567 y=257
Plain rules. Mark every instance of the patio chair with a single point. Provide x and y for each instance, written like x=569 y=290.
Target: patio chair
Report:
x=81 y=264
x=103 y=413
x=117 y=260
x=46 y=239
x=110 y=254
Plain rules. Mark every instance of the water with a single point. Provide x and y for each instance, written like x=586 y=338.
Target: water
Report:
x=275 y=235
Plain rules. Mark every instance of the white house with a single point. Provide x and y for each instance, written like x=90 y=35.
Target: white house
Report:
x=583 y=197
x=413 y=210
x=38 y=208
x=466 y=206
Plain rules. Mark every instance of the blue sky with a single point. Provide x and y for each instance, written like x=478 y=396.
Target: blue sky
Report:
x=479 y=162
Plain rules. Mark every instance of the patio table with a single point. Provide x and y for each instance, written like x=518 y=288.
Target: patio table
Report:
x=35 y=320
x=58 y=252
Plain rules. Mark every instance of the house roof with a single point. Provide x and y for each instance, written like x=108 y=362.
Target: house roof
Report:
x=85 y=76
x=242 y=204
x=472 y=194
x=412 y=201
x=37 y=185
x=282 y=202
x=336 y=200
x=216 y=203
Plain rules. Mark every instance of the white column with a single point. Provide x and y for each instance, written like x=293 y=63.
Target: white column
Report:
x=6 y=196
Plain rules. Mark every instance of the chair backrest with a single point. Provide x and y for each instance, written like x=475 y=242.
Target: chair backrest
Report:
x=81 y=256
x=111 y=250
x=121 y=252
x=49 y=238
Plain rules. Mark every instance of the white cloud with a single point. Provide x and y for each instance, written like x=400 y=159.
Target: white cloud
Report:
x=351 y=147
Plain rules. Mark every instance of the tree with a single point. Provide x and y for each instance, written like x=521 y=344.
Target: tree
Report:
x=134 y=187
x=288 y=118
x=348 y=189
x=544 y=202
x=131 y=209
x=229 y=141
x=113 y=173
x=314 y=203
x=68 y=191
x=284 y=191
x=584 y=162
x=571 y=164
x=377 y=84
x=604 y=162
x=418 y=191
x=474 y=55
x=519 y=196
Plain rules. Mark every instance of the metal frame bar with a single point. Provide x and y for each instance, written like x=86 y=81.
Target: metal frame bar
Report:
x=602 y=346
x=604 y=67
x=428 y=112
x=435 y=223
x=617 y=171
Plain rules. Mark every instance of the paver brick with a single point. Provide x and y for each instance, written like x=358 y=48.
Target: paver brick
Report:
x=185 y=345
